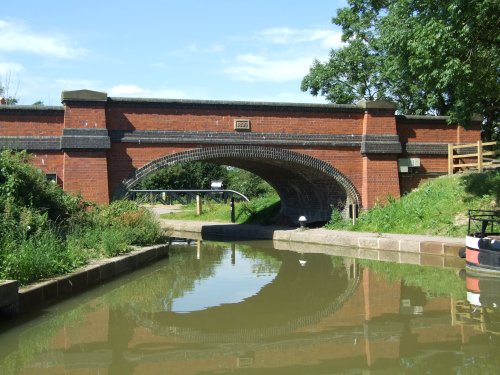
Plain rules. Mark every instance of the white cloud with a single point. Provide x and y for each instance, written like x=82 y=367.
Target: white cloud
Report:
x=17 y=37
x=252 y=67
x=327 y=38
x=7 y=68
x=287 y=56
x=124 y=90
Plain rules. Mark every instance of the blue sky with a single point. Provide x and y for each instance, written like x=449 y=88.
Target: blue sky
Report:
x=213 y=50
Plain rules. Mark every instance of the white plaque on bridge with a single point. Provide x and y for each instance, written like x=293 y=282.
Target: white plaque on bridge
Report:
x=242 y=125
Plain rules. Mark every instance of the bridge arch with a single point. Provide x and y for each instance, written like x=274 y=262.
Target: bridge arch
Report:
x=306 y=185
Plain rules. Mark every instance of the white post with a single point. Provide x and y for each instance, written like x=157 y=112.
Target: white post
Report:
x=199 y=210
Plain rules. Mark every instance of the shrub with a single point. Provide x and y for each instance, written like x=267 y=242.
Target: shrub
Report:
x=45 y=232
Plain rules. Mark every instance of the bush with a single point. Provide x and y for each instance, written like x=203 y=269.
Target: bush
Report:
x=110 y=230
x=46 y=232
x=23 y=185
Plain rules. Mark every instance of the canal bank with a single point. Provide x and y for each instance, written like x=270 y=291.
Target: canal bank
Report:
x=16 y=300
x=299 y=238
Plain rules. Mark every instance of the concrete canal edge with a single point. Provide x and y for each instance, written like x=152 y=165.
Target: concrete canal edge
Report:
x=415 y=249
x=15 y=300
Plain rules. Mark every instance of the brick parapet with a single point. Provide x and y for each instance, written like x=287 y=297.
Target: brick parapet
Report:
x=115 y=102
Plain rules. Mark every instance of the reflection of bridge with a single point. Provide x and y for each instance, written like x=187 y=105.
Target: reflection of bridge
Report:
x=299 y=296
x=355 y=336
x=358 y=321
x=315 y=156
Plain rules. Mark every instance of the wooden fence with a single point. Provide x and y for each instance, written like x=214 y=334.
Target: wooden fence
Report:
x=474 y=157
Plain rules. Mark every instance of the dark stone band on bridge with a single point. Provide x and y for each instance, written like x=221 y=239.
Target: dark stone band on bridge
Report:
x=425 y=148
x=230 y=138
x=85 y=138
x=380 y=144
x=31 y=143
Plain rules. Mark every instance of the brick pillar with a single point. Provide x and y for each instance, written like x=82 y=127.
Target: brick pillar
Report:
x=380 y=148
x=84 y=142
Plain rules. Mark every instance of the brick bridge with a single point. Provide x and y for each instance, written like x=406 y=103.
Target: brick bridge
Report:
x=316 y=156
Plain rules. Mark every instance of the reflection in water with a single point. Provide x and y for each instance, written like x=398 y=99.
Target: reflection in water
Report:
x=221 y=308
x=234 y=274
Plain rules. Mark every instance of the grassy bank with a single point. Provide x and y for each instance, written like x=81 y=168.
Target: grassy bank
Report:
x=262 y=210
x=45 y=232
x=437 y=207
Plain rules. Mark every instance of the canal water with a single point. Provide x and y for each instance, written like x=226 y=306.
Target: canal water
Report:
x=216 y=308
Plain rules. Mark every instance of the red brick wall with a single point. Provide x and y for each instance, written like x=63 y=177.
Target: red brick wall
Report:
x=31 y=124
x=50 y=162
x=411 y=130
x=86 y=172
x=380 y=179
x=194 y=119
x=379 y=122
x=85 y=116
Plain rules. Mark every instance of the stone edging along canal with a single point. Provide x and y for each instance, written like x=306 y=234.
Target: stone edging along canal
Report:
x=402 y=243
x=15 y=300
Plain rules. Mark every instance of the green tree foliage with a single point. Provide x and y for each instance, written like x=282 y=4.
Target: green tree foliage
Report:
x=45 y=232
x=199 y=175
x=247 y=183
x=196 y=175
x=430 y=57
x=23 y=186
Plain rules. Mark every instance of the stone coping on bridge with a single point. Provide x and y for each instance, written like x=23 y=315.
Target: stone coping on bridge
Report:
x=401 y=243
x=16 y=300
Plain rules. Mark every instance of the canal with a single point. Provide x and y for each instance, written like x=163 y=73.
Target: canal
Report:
x=215 y=308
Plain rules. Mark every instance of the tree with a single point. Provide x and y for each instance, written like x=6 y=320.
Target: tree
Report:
x=429 y=56
x=247 y=183
x=197 y=175
x=5 y=91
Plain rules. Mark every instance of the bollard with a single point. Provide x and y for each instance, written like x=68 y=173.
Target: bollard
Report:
x=233 y=217
x=302 y=222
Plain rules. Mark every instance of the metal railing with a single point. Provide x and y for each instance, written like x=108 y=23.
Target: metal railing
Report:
x=183 y=196
x=478 y=158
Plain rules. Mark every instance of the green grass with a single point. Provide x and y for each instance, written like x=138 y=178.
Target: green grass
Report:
x=262 y=210
x=437 y=207
x=46 y=232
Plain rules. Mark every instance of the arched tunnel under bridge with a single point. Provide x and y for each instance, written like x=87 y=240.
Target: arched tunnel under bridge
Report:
x=306 y=186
